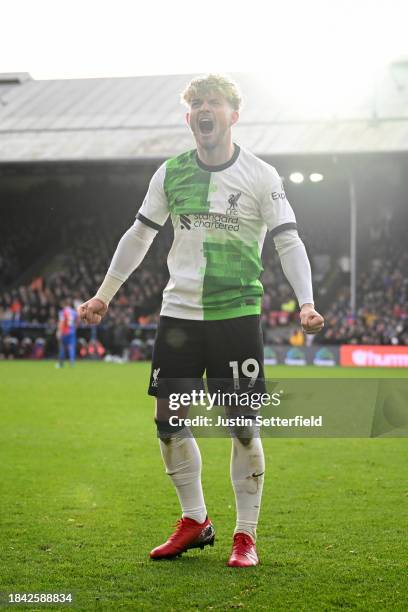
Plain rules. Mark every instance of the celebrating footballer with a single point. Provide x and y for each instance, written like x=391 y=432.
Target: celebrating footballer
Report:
x=222 y=201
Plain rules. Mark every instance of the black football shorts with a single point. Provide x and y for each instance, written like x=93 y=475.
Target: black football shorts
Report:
x=229 y=352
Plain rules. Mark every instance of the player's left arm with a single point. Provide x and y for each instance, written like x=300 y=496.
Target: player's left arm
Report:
x=281 y=222
x=296 y=267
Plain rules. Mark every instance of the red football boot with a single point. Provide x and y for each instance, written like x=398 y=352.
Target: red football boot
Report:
x=188 y=534
x=243 y=551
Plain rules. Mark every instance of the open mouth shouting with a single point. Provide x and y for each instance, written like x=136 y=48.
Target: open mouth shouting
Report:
x=205 y=125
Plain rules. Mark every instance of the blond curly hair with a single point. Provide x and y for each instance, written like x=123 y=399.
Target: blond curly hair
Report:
x=219 y=83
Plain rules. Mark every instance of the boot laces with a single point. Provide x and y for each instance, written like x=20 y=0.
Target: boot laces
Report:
x=181 y=524
x=242 y=542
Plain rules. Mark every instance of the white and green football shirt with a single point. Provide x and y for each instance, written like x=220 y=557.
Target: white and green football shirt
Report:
x=220 y=216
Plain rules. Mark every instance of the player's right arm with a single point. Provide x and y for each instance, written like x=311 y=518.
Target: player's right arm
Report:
x=131 y=249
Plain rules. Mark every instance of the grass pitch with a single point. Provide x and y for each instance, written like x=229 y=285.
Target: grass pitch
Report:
x=85 y=497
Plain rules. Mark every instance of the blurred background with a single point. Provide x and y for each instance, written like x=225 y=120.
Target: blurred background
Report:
x=89 y=108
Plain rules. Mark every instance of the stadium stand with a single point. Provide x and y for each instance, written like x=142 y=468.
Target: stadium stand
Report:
x=75 y=160
x=67 y=248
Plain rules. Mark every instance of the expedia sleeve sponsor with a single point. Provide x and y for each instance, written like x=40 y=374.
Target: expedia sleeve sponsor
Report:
x=274 y=206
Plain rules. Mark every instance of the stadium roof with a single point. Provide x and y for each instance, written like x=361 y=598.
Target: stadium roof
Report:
x=141 y=118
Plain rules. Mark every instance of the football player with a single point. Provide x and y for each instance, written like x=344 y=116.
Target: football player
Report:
x=222 y=201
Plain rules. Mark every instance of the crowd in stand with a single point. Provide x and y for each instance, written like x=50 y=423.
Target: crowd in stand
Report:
x=21 y=235
x=83 y=247
x=382 y=317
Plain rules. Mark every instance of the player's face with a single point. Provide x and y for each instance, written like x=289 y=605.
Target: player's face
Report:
x=210 y=119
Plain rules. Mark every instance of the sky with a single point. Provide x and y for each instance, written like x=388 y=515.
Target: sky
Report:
x=87 y=38
x=325 y=47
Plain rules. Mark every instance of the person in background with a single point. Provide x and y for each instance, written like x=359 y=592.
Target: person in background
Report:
x=297 y=338
x=66 y=333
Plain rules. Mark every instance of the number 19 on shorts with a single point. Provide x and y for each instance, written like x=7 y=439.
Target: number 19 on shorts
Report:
x=249 y=369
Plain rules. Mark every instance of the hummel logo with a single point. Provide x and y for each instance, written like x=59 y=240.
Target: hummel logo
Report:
x=155 y=377
x=233 y=203
x=185 y=222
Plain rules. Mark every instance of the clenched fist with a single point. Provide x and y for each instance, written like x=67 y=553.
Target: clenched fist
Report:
x=312 y=322
x=92 y=311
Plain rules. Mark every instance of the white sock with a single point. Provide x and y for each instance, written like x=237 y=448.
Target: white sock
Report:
x=247 y=470
x=182 y=459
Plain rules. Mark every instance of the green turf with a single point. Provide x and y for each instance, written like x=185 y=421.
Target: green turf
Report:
x=84 y=498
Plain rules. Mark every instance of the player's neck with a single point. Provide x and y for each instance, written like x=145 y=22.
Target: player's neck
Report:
x=217 y=156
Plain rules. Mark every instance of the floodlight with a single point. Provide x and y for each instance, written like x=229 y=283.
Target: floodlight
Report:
x=316 y=177
x=296 y=177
